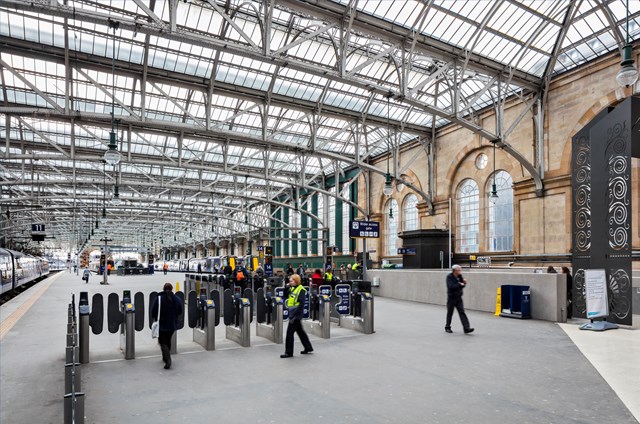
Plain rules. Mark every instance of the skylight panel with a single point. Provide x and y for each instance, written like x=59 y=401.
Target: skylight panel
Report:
x=475 y=10
x=515 y=22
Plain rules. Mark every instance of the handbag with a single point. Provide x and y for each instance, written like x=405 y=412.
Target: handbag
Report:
x=155 y=327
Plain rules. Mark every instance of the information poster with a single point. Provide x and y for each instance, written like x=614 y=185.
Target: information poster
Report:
x=596 y=293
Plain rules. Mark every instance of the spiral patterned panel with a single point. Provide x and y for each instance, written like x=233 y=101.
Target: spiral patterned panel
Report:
x=618 y=293
x=618 y=189
x=579 y=292
x=582 y=195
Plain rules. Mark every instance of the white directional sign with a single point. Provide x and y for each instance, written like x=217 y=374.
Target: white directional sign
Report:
x=596 y=293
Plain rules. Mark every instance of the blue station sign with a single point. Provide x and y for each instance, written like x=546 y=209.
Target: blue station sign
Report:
x=364 y=229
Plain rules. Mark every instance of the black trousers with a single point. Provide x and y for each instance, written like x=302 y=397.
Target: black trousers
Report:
x=164 y=340
x=456 y=303
x=296 y=327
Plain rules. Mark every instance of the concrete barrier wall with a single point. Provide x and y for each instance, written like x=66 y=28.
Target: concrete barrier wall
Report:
x=548 y=291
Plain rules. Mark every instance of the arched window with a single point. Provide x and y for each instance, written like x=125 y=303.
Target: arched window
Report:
x=500 y=214
x=410 y=213
x=468 y=201
x=391 y=236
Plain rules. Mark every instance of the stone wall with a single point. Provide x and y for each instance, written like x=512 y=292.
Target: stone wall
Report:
x=542 y=225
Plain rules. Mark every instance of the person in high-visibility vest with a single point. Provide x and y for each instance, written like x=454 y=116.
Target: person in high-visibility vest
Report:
x=328 y=275
x=295 y=305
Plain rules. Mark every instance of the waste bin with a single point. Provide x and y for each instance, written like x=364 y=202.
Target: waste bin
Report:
x=515 y=302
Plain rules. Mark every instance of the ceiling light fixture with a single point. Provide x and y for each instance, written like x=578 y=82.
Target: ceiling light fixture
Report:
x=112 y=156
x=388 y=188
x=628 y=73
x=493 y=197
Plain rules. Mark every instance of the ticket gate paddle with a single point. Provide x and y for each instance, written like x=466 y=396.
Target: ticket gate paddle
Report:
x=269 y=316
x=205 y=332
x=364 y=322
x=320 y=324
x=237 y=318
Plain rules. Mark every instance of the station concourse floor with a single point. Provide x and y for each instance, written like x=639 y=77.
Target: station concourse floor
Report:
x=409 y=371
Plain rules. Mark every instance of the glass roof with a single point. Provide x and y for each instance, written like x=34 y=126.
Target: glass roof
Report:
x=214 y=92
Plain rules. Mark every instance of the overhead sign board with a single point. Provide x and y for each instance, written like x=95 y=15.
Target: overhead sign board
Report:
x=37 y=228
x=364 y=229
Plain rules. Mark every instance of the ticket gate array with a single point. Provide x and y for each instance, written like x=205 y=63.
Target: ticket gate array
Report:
x=341 y=303
x=126 y=315
x=193 y=282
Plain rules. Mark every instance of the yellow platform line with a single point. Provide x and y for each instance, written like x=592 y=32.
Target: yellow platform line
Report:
x=15 y=316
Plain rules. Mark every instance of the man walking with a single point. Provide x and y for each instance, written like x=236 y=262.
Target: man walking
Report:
x=455 y=285
x=85 y=275
x=295 y=305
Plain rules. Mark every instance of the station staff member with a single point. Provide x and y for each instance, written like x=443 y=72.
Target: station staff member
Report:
x=455 y=285
x=295 y=305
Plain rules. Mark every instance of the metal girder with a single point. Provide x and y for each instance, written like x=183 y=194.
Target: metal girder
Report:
x=28 y=83
x=299 y=39
x=103 y=64
x=390 y=32
x=146 y=161
x=240 y=139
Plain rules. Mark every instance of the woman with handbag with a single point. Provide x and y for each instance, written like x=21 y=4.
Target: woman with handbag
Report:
x=165 y=311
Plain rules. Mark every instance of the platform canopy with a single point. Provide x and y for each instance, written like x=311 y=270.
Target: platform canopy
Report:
x=225 y=111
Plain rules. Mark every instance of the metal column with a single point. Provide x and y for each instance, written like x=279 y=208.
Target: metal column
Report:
x=84 y=334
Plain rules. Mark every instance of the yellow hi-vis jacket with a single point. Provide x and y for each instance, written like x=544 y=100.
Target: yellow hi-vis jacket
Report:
x=294 y=296
x=295 y=303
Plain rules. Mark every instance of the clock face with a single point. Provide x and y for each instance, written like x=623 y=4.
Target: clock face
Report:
x=481 y=161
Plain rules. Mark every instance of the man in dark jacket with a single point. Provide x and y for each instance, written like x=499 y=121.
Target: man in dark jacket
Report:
x=170 y=308
x=295 y=305
x=289 y=270
x=455 y=285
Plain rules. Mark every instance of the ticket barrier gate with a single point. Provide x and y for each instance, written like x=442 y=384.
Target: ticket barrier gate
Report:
x=127 y=328
x=238 y=315
x=361 y=313
x=269 y=316
x=204 y=333
x=319 y=322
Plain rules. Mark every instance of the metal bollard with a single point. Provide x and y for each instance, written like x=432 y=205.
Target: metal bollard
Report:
x=74 y=413
x=207 y=337
x=84 y=334
x=324 y=316
x=128 y=335
x=278 y=320
x=245 y=321
x=72 y=378
x=72 y=354
x=367 y=312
